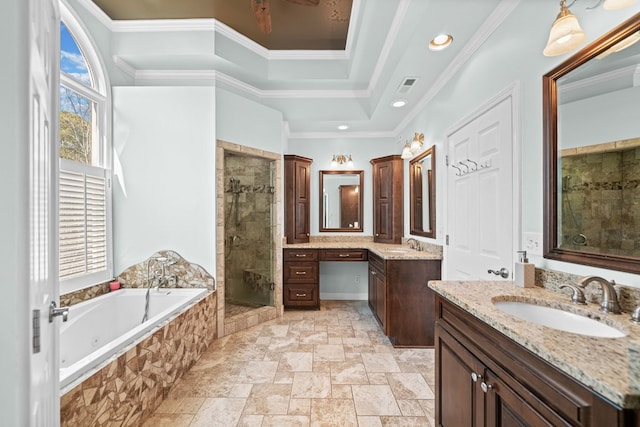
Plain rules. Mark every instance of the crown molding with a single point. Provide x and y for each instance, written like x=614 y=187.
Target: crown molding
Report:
x=342 y=134
x=630 y=71
x=490 y=25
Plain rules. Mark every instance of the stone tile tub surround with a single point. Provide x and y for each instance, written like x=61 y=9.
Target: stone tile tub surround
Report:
x=609 y=366
x=189 y=275
x=126 y=389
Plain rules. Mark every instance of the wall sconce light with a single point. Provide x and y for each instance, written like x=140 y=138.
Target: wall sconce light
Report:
x=566 y=33
x=416 y=144
x=406 y=151
x=341 y=159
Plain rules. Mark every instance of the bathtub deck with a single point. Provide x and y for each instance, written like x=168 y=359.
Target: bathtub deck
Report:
x=331 y=366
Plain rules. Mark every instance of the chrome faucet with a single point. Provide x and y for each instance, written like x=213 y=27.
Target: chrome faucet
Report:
x=413 y=243
x=609 y=302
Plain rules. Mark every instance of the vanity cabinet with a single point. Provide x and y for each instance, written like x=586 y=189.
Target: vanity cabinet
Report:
x=300 y=278
x=388 y=216
x=297 y=198
x=401 y=301
x=485 y=379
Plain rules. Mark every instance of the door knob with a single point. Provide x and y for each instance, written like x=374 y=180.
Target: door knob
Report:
x=503 y=272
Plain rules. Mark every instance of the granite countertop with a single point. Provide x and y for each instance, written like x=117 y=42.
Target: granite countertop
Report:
x=383 y=250
x=608 y=366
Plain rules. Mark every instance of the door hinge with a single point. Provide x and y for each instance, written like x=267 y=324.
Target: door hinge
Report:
x=446 y=160
x=35 y=325
x=446 y=240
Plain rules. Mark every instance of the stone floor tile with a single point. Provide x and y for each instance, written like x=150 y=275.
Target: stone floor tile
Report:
x=348 y=373
x=299 y=407
x=169 y=405
x=374 y=400
x=250 y=421
x=240 y=390
x=369 y=421
x=405 y=422
x=190 y=405
x=219 y=412
x=410 y=408
x=333 y=412
x=296 y=362
x=268 y=399
x=409 y=386
x=329 y=353
x=256 y=372
x=341 y=391
x=168 y=420
x=311 y=385
x=285 y=421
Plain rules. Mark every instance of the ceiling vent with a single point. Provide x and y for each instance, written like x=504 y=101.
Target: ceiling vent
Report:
x=407 y=84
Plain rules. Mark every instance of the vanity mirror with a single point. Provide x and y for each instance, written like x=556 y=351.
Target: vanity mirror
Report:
x=422 y=194
x=341 y=200
x=591 y=130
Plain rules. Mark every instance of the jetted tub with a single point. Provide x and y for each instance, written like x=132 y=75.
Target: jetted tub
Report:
x=104 y=326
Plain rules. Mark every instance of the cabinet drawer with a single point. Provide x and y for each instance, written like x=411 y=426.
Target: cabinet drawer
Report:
x=300 y=272
x=343 y=254
x=377 y=263
x=300 y=295
x=300 y=255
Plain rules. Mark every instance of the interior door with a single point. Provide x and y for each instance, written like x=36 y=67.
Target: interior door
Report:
x=43 y=270
x=480 y=197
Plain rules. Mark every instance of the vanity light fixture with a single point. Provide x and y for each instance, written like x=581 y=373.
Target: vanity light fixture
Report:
x=416 y=144
x=341 y=159
x=406 y=151
x=566 y=33
x=617 y=4
x=440 y=42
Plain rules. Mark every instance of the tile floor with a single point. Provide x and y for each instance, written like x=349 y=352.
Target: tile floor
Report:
x=332 y=367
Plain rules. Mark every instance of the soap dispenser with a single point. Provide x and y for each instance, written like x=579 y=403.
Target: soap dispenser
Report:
x=525 y=272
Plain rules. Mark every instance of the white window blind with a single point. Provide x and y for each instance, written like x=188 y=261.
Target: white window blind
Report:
x=83 y=220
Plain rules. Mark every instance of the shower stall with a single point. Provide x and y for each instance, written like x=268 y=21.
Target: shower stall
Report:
x=249 y=221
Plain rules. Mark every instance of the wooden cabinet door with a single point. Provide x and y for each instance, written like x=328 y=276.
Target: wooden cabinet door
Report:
x=388 y=217
x=297 y=198
x=460 y=400
x=380 y=284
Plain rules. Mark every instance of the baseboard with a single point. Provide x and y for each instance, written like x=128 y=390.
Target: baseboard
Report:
x=344 y=296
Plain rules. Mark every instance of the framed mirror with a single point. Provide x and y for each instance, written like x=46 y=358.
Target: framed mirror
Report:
x=341 y=200
x=591 y=136
x=422 y=194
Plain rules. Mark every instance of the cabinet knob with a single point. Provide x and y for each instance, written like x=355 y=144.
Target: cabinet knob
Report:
x=377 y=234
x=307 y=234
x=475 y=377
x=486 y=387
x=373 y=273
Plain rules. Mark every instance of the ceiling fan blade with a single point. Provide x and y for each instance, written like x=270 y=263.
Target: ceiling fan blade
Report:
x=262 y=10
x=305 y=2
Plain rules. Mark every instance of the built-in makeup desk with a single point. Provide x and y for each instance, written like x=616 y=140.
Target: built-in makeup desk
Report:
x=397 y=283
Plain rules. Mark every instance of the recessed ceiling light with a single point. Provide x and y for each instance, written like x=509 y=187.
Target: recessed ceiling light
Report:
x=343 y=127
x=399 y=103
x=440 y=42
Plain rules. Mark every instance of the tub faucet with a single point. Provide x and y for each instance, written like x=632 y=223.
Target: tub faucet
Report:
x=609 y=302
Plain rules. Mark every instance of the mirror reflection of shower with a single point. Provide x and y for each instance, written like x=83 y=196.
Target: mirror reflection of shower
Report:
x=577 y=239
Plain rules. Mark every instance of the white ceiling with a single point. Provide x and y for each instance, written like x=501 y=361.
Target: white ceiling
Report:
x=318 y=90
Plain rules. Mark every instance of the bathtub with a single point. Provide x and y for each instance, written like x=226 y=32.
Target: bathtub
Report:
x=105 y=326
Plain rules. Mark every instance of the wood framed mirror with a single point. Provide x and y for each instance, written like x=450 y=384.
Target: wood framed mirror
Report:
x=591 y=158
x=341 y=201
x=422 y=194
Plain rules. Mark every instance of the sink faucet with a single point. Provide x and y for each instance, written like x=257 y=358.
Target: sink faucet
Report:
x=412 y=242
x=609 y=302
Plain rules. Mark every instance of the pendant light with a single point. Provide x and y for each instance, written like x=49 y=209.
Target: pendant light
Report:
x=566 y=33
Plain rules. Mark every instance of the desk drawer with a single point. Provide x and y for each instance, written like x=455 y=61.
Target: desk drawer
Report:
x=301 y=296
x=344 y=254
x=300 y=255
x=300 y=272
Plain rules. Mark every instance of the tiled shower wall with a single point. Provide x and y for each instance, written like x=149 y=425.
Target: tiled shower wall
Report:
x=600 y=198
x=249 y=218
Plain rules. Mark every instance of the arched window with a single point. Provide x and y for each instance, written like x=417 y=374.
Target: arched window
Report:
x=85 y=161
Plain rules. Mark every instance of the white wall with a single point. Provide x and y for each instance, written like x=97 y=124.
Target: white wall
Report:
x=165 y=138
x=245 y=122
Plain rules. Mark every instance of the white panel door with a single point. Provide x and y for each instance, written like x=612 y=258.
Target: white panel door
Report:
x=480 y=197
x=43 y=283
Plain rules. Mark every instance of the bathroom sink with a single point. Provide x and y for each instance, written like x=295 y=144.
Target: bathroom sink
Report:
x=558 y=319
